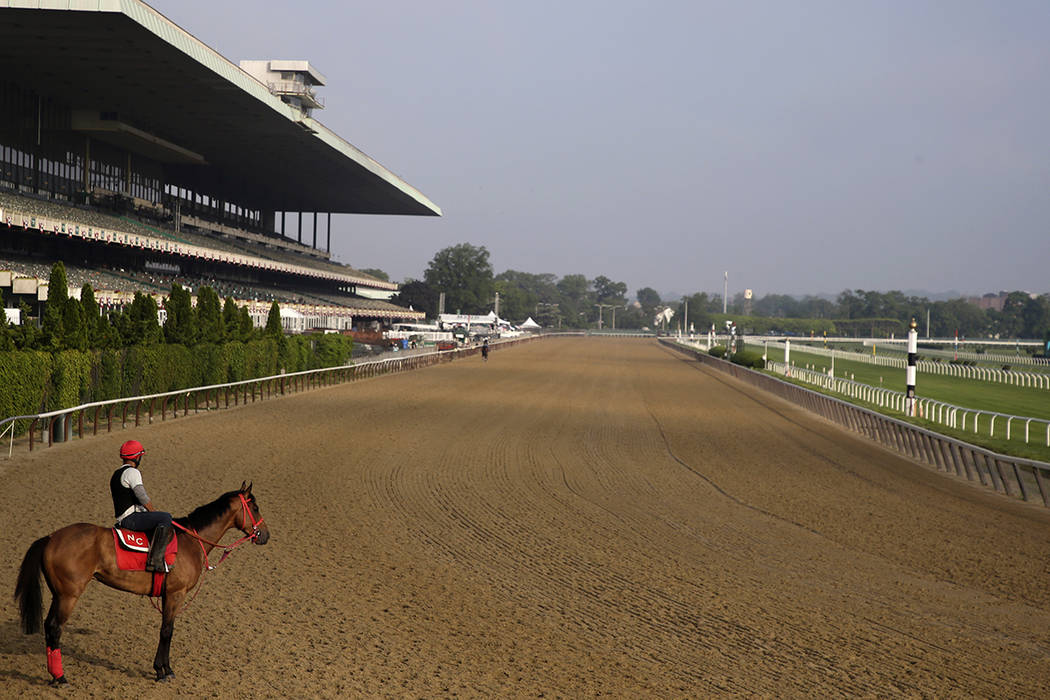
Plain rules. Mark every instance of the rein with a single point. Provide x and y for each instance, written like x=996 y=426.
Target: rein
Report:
x=246 y=513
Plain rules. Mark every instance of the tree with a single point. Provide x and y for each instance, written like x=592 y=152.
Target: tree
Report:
x=377 y=273
x=55 y=306
x=698 y=314
x=74 y=328
x=209 y=316
x=576 y=299
x=180 y=327
x=776 y=306
x=274 y=329
x=231 y=319
x=649 y=300
x=93 y=320
x=247 y=328
x=139 y=324
x=1036 y=316
x=419 y=295
x=522 y=293
x=1010 y=321
x=464 y=274
x=608 y=292
x=514 y=302
x=850 y=304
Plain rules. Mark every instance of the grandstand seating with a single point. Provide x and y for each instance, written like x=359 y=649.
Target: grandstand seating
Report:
x=56 y=209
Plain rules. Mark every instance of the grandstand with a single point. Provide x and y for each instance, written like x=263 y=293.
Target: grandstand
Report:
x=139 y=157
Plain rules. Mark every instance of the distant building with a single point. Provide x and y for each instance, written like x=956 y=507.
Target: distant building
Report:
x=989 y=301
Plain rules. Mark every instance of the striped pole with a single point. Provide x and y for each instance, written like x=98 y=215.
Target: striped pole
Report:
x=913 y=352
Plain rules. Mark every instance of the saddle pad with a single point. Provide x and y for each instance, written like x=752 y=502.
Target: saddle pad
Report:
x=132 y=547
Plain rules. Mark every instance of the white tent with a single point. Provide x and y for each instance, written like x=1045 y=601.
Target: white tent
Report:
x=529 y=324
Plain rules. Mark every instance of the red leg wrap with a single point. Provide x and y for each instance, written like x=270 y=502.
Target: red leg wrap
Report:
x=54 y=662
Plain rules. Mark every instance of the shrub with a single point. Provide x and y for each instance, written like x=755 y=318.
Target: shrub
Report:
x=749 y=358
x=717 y=351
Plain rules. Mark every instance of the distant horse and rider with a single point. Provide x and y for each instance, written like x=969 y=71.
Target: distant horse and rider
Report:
x=72 y=556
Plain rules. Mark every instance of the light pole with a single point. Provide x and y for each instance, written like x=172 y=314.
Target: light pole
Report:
x=606 y=306
x=725 y=294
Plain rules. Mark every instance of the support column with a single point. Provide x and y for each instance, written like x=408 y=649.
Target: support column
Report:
x=315 y=231
x=87 y=164
x=328 y=245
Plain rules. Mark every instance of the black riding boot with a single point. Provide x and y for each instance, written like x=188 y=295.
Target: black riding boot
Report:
x=155 y=558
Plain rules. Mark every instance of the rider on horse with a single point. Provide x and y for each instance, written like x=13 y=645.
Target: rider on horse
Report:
x=133 y=508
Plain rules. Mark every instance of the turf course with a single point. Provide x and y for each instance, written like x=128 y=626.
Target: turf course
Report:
x=958 y=391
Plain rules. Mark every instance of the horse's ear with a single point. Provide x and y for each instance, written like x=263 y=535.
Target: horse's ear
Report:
x=245 y=487
x=248 y=491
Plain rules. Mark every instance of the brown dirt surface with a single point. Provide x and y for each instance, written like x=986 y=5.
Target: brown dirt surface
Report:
x=575 y=517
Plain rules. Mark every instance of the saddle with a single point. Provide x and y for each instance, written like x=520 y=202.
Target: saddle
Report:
x=132 y=547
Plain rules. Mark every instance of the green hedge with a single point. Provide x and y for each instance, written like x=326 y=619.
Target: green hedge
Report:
x=35 y=381
x=25 y=376
x=70 y=379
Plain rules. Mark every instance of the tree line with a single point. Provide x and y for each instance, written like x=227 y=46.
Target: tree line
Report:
x=465 y=275
x=67 y=323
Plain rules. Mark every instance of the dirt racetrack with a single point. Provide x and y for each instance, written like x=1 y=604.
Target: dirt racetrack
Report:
x=574 y=517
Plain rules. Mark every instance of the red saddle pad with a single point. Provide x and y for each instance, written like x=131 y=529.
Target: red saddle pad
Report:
x=133 y=546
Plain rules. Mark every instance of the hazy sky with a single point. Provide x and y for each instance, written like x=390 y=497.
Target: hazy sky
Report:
x=805 y=147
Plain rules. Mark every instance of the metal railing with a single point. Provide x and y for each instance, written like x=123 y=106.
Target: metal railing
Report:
x=1021 y=478
x=58 y=426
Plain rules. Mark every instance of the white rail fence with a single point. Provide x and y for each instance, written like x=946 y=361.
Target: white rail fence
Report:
x=1035 y=380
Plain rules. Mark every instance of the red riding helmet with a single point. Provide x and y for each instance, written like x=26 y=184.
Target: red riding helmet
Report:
x=132 y=449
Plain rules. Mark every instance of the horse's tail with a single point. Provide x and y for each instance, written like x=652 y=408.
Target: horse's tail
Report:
x=27 y=590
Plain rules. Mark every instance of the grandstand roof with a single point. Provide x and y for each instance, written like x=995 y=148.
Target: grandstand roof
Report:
x=182 y=102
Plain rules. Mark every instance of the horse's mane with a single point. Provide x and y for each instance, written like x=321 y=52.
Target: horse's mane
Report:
x=208 y=513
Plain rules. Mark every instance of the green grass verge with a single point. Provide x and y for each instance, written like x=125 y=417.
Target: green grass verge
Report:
x=965 y=393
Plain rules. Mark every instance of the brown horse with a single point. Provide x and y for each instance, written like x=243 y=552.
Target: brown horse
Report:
x=69 y=558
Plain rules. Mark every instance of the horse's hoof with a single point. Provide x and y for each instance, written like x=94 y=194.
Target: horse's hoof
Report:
x=61 y=680
x=165 y=677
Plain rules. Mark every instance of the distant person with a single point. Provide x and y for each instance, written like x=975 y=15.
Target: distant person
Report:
x=133 y=508
x=485 y=350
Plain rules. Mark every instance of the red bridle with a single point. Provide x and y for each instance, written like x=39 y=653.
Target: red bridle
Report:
x=247 y=511
x=246 y=515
